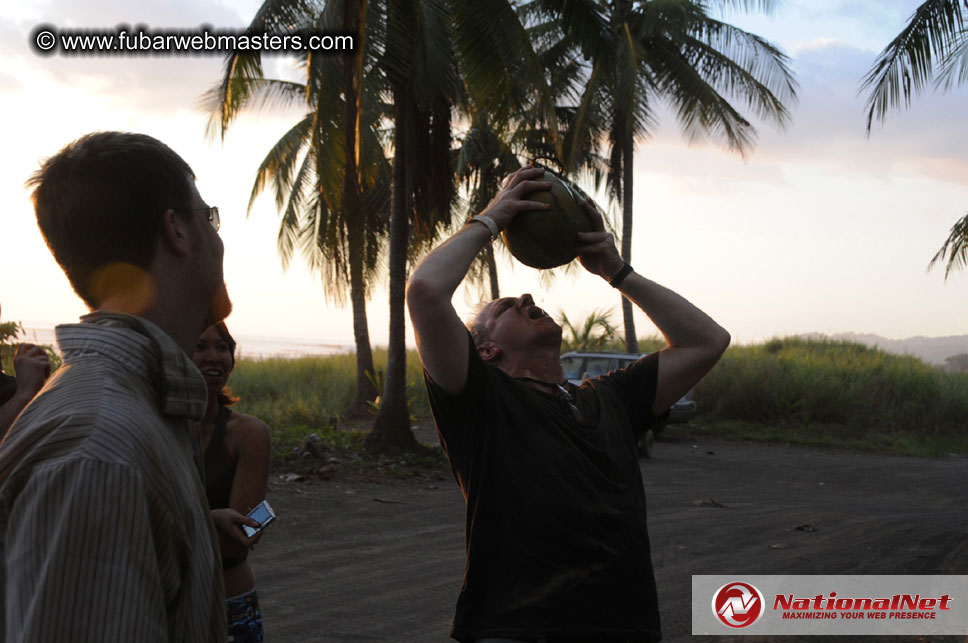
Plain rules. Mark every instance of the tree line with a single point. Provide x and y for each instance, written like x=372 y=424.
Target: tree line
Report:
x=404 y=138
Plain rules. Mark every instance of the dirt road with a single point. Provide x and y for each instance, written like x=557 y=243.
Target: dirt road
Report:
x=383 y=562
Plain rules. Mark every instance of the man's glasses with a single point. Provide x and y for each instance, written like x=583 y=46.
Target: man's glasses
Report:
x=212 y=216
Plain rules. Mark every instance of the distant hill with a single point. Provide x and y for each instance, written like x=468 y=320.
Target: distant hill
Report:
x=933 y=350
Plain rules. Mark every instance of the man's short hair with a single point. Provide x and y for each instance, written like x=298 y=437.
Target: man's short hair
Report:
x=100 y=201
x=477 y=326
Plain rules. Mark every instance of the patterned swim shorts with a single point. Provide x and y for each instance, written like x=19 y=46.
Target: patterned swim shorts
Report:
x=245 y=618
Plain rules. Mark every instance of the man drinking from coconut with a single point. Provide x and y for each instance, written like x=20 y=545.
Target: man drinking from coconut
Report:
x=557 y=544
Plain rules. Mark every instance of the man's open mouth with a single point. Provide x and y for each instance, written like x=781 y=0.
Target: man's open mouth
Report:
x=536 y=313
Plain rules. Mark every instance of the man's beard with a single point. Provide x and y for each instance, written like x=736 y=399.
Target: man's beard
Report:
x=220 y=309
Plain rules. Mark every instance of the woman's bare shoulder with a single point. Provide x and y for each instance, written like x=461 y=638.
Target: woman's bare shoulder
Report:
x=246 y=428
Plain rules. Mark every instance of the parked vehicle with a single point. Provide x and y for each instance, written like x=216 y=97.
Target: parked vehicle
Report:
x=580 y=366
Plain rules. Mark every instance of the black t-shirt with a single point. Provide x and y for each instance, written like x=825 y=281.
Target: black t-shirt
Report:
x=556 y=535
x=8 y=387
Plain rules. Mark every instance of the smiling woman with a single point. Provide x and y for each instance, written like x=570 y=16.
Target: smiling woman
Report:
x=237 y=450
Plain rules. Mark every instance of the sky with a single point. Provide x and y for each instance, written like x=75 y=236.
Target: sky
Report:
x=819 y=229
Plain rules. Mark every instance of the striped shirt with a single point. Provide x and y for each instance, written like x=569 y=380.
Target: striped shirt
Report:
x=105 y=533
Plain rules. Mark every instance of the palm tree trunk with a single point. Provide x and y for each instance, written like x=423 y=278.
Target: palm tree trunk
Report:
x=391 y=431
x=492 y=184
x=492 y=271
x=361 y=335
x=351 y=205
x=628 y=152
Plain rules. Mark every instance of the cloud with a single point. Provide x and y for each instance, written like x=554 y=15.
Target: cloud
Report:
x=155 y=83
x=827 y=129
x=833 y=110
x=867 y=24
x=104 y=14
x=871 y=15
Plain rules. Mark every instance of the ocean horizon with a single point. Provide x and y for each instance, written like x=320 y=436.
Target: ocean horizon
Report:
x=932 y=350
x=249 y=346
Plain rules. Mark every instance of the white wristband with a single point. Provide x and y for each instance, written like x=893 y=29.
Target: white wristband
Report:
x=490 y=223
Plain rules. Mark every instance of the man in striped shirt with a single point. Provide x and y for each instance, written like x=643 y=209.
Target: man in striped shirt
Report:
x=105 y=533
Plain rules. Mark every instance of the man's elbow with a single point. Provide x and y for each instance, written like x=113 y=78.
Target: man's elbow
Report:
x=418 y=291
x=425 y=294
x=717 y=344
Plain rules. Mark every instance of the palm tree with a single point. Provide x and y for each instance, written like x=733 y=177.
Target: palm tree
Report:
x=492 y=151
x=407 y=61
x=484 y=158
x=420 y=75
x=632 y=54
x=594 y=333
x=935 y=32
x=329 y=173
x=438 y=55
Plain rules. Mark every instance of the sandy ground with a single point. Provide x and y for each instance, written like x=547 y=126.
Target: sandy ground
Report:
x=353 y=561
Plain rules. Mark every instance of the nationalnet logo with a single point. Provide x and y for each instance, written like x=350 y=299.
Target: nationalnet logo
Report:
x=795 y=605
x=897 y=606
x=738 y=604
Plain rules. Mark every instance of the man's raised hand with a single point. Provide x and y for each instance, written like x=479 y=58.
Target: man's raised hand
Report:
x=596 y=249
x=32 y=367
x=511 y=199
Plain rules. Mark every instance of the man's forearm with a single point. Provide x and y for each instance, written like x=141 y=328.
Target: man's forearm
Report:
x=440 y=334
x=680 y=322
x=442 y=271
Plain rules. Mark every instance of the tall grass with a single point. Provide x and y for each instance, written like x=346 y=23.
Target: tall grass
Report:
x=831 y=391
x=312 y=391
x=315 y=391
x=798 y=381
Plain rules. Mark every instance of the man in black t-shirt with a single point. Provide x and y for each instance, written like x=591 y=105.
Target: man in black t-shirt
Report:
x=556 y=535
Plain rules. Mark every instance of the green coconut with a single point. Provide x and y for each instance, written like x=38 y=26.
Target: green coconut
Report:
x=549 y=238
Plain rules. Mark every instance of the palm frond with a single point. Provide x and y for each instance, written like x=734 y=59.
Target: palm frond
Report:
x=634 y=88
x=745 y=65
x=280 y=163
x=226 y=100
x=258 y=94
x=954 y=251
x=906 y=64
x=594 y=333
x=954 y=67
x=499 y=64
x=584 y=21
x=292 y=214
x=700 y=109
x=726 y=78
x=767 y=7
x=434 y=72
x=583 y=124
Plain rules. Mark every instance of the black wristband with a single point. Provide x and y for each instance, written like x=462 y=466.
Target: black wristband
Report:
x=620 y=276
